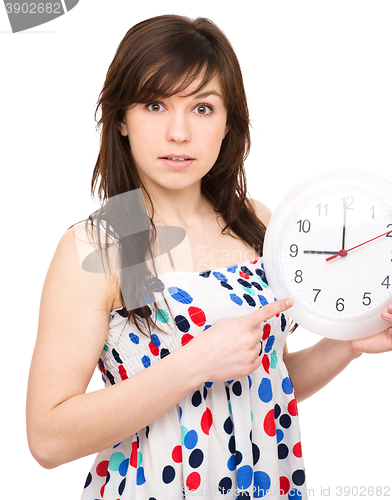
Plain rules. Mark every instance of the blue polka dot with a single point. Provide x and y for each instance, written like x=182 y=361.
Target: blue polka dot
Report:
x=250 y=381
x=295 y=494
x=232 y=269
x=244 y=477
x=261 y=484
x=123 y=469
x=232 y=463
x=135 y=339
x=263 y=300
x=146 y=361
x=269 y=344
x=265 y=390
x=236 y=299
x=140 y=479
x=279 y=435
x=190 y=439
x=155 y=340
x=180 y=295
x=287 y=386
x=208 y=384
x=219 y=276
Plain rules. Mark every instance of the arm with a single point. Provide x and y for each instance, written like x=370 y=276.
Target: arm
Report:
x=63 y=421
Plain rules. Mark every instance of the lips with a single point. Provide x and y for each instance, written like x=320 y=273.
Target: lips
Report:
x=177 y=161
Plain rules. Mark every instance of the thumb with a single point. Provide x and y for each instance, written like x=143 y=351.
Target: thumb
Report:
x=268 y=311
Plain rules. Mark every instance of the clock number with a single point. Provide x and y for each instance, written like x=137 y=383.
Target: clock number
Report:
x=347 y=202
x=340 y=305
x=304 y=225
x=293 y=250
x=372 y=209
x=366 y=299
x=386 y=282
x=318 y=290
x=324 y=206
x=390 y=234
x=298 y=276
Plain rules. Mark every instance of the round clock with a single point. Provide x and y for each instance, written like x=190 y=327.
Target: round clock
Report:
x=328 y=246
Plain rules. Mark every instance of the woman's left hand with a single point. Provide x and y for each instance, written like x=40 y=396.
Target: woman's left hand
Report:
x=382 y=342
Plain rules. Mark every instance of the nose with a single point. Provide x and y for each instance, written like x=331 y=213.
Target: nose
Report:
x=178 y=128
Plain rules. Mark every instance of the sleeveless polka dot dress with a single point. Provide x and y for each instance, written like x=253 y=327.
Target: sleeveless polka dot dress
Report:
x=232 y=440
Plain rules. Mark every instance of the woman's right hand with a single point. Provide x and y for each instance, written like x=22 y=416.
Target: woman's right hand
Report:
x=231 y=349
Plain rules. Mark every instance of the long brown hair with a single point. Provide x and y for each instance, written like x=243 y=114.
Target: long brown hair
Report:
x=158 y=58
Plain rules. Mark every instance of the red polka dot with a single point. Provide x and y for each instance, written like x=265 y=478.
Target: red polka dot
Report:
x=197 y=315
x=133 y=459
x=101 y=369
x=266 y=363
x=269 y=423
x=244 y=275
x=102 y=468
x=154 y=349
x=193 y=481
x=186 y=338
x=266 y=331
x=206 y=421
x=254 y=261
x=292 y=408
x=284 y=485
x=297 y=450
x=103 y=490
x=122 y=372
x=177 y=454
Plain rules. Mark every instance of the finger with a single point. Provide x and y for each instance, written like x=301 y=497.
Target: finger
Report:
x=268 y=311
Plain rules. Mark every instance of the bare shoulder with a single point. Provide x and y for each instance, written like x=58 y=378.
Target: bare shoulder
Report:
x=262 y=211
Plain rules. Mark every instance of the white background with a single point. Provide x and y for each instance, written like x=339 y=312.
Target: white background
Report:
x=318 y=77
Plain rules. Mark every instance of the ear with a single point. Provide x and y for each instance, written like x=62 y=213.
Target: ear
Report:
x=122 y=127
x=226 y=130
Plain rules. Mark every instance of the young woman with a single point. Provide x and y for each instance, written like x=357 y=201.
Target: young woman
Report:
x=199 y=392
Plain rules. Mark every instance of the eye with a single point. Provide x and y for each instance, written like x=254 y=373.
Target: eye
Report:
x=155 y=107
x=203 y=109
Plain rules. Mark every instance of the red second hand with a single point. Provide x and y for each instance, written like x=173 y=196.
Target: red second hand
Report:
x=343 y=253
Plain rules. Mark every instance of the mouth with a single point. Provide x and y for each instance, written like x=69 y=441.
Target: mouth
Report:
x=177 y=161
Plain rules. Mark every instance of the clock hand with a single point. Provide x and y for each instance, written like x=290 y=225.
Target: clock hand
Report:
x=344 y=223
x=343 y=252
x=321 y=251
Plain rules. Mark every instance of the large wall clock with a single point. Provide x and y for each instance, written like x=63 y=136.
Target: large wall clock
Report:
x=329 y=247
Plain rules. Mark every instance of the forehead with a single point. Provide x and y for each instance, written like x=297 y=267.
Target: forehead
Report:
x=197 y=89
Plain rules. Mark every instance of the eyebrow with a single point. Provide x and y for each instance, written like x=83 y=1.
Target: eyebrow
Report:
x=207 y=94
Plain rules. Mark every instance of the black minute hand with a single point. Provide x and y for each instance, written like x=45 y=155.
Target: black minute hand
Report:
x=321 y=251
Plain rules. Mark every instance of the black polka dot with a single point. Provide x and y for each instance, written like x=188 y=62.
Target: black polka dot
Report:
x=147 y=431
x=238 y=457
x=277 y=411
x=256 y=453
x=88 y=480
x=228 y=425
x=196 y=458
x=196 y=398
x=225 y=485
x=244 y=283
x=164 y=352
x=237 y=388
x=121 y=486
x=246 y=270
x=182 y=323
x=249 y=299
x=205 y=392
x=168 y=474
x=283 y=451
x=285 y=421
x=227 y=393
x=257 y=285
x=232 y=444
x=226 y=285
x=243 y=494
x=205 y=274
x=298 y=477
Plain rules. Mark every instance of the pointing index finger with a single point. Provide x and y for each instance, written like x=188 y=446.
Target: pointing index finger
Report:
x=268 y=311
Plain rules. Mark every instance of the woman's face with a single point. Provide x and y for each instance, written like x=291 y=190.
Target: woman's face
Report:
x=176 y=140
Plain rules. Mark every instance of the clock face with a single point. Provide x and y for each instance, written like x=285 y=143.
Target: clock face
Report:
x=329 y=247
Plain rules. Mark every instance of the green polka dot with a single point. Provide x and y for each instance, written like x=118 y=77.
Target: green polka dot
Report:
x=184 y=431
x=230 y=410
x=251 y=416
x=105 y=348
x=248 y=290
x=274 y=359
x=139 y=458
x=262 y=282
x=162 y=315
x=115 y=460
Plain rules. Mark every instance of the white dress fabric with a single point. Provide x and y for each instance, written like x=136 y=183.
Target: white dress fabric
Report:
x=232 y=440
